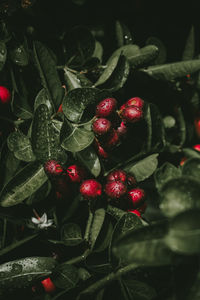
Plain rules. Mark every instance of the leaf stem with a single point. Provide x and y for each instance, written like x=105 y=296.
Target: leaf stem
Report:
x=79 y=259
x=88 y=226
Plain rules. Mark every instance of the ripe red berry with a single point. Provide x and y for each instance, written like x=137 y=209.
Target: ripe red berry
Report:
x=101 y=126
x=116 y=175
x=136 y=197
x=100 y=150
x=90 y=188
x=135 y=211
x=122 y=130
x=48 y=285
x=136 y=101
x=106 y=107
x=132 y=114
x=112 y=140
x=52 y=167
x=5 y=95
x=183 y=160
x=115 y=189
x=196 y=147
x=75 y=173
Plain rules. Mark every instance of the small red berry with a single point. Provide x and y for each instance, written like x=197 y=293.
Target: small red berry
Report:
x=122 y=107
x=101 y=152
x=60 y=109
x=90 y=188
x=136 y=196
x=5 y=95
x=183 y=160
x=75 y=173
x=115 y=189
x=52 y=167
x=116 y=175
x=196 y=147
x=48 y=285
x=135 y=211
x=131 y=181
x=136 y=101
x=106 y=107
x=113 y=139
x=122 y=130
x=101 y=126
x=132 y=114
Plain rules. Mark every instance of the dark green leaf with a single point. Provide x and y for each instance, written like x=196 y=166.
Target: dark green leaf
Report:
x=158 y=131
x=194 y=292
x=40 y=194
x=71 y=80
x=98 y=263
x=97 y=223
x=191 y=153
x=189 y=50
x=162 y=54
x=179 y=194
x=144 y=56
x=184 y=233
x=23 y=184
x=21 y=272
x=173 y=70
x=9 y=166
x=79 y=104
x=83 y=274
x=192 y=168
x=75 y=138
x=123 y=35
x=19 y=55
x=144 y=246
x=3 y=54
x=20 y=106
x=129 y=51
x=98 y=51
x=48 y=73
x=105 y=235
x=42 y=98
x=90 y=160
x=71 y=234
x=166 y=172
x=44 y=136
x=72 y=208
x=139 y=290
x=144 y=168
x=21 y=146
x=115 y=212
x=79 y=46
x=65 y=276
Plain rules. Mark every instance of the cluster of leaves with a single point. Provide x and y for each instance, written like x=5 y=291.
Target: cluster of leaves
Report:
x=89 y=250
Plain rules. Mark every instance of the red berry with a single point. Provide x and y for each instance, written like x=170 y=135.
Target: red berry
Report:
x=122 y=107
x=75 y=173
x=90 y=188
x=122 y=130
x=136 y=196
x=113 y=139
x=48 y=285
x=101 y=152
x=115 y=189
x=116 y=175
x=136 y=101
x=132 y=114
x=52 y=167
x=135 y=211
x=183 y=160
x=5 y=95
x=60 y=109
x=101 y=126
x=196 y=147
x=131 y=181
x=106 y=107
x=197 y=124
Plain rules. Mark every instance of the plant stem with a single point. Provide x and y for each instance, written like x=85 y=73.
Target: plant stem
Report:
x=4 y=233
x=78 y=259
x=149 y=128
x=88 y=226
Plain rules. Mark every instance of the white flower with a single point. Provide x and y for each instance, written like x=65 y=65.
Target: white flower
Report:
x=42 y=222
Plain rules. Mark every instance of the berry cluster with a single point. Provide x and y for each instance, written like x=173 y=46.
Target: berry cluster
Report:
x=110 y=124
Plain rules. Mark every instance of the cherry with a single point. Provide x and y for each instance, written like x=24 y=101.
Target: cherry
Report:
x=115 y=189
x=117 y=175
x=101 y=126
x=52 y=167
x=136 y=196
x=122 y=130
x=90 y=188
x=136 y=101
x=132 y=114
x=196 y=147
x=5 y=95
x=75 y=173
x=48 y=285
x=100 y=150
x=135 y=211
x=131 y=181
x=112 y=140
x=106 y=107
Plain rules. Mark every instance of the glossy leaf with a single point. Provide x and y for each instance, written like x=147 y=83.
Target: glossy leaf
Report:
x=97 y=223
x=189 y=50
x=98 y=51
x=166 y=172
x=162 y=54
x=158 y=131
x=48 y=74
x=123 y=35
x=184 y=233
x=71 y=80
x=90 y=160
x=23 y=184
x=40 y=194
x=144 y=168
x=21 y=272
x=3 y=54
x=9 y=166
x=178 y=195
x=172 y=71
x=104 y=236
x=42 y=98
x=20 y=144
x=65 y=276
x=139 y=290
x=192 y=168
x=79 y=104
x=71 y=234
x=144 y=56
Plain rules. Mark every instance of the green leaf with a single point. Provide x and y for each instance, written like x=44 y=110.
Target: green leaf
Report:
x=44 y=136
x=190 y=153
x=158 y=131
x=162 y=55
x=104 y=237
x=23 y=184
x=21 y=146
x=97 y=223
x=71 y=234
x=40 y=194
x=79 y=104
x=98 y=263
x=144 y=168
x=71 y=79
x=166 y=172
x=65 y=276
x=48 y=73
x=194 y=292
x=139 y=290
x=123 y=35
x=21 y=272
x=144 y=246
x=192 y=168
x=189 y=50
x=20 y=106
x=184 y=233
x=115 y=212
x=75 y=138
x=90 y=160
x=173 y=70
x=118 y=77
x=19 y=55
x=98 y=51
x=178 y=195
x=42 y=98
x=144 y=56
x=3 y=54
